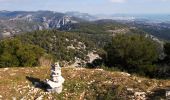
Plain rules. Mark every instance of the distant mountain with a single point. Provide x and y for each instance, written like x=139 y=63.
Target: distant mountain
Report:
x=157 y=25
x=154 y=18
x=150 y=18
x=84 y=16
x=15 y=22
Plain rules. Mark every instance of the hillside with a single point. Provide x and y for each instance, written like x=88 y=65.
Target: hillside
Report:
x=81 y=42
x=80 y=84
x=16 y=22
x=159 y=30
x=66 y=46
x=78 y=43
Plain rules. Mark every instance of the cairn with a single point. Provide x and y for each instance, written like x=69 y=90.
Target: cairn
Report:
x=56 y=81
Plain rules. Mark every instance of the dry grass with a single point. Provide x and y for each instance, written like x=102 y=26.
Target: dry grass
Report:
x=80 y=83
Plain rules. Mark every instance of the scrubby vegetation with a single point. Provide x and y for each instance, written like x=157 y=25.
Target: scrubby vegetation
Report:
x=167 y=52
x=129 y=51
x=65 y=46
x=126 y=48
x=14 y=53
x=133 y=53
x=127 y=55
x=98 y=27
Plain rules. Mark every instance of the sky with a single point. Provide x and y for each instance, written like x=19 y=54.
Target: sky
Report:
x=90 y=6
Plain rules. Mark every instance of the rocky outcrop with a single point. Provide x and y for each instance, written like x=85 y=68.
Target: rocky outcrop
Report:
x=30 y=21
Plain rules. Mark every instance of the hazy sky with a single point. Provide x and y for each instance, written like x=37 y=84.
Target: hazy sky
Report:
x=89 y=6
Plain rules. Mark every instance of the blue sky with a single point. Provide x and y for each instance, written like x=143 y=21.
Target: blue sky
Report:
x=90 y=6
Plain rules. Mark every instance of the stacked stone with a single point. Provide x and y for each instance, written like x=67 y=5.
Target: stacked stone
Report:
x=56 y=81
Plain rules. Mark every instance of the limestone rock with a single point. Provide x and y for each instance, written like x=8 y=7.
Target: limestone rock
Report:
x=56 y=81
x=125 y=74
x=140 y=95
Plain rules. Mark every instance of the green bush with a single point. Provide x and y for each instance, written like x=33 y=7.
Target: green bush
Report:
x=134 y=53
x=14 y=53
x=167 y=52
x=56 y=42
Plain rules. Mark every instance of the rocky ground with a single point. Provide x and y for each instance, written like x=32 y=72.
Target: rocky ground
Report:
x=80 y=84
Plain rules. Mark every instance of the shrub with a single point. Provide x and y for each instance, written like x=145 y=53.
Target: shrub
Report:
x=167 y=53
x=134 y=53
x=14 y=53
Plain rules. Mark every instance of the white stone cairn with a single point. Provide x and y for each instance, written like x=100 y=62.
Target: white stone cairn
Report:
x=168 y=94
x=56 y=81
